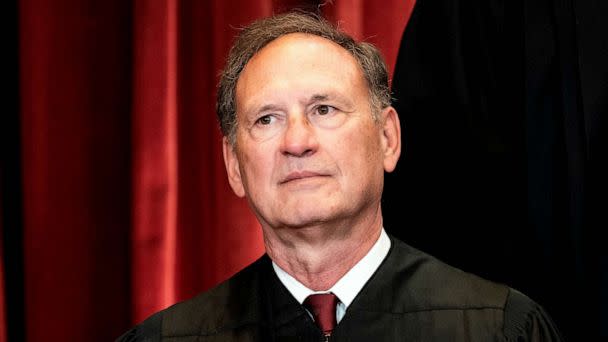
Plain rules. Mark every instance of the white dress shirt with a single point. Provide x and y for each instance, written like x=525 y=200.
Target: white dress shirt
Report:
x=347 y=288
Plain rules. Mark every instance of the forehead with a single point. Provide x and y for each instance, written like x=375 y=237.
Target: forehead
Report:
x=298 y=61
x=296 y=43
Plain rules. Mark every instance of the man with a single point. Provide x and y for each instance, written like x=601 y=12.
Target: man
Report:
x=308 y=134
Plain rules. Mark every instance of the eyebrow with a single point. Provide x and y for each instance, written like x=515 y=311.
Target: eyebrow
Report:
x=313 y=99
x=318 y=97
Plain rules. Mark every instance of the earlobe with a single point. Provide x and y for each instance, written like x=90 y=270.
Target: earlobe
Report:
x=232 y=168
x=391 y=138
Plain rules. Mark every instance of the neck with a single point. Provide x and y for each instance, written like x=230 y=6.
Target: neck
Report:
x=319 y=255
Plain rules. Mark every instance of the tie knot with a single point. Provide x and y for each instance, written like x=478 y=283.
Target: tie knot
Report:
x=322 y=306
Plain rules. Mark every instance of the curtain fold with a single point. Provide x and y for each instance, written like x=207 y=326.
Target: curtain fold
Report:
x=155 y=149
x=74 y=101
x=126 y=206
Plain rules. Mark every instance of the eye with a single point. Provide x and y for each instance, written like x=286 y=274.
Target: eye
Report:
x=264 y=120
x=326 y=116
x=324 y=109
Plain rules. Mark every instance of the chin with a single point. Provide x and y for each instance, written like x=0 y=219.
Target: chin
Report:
x=304 y=221
x=299 y=217
x=306 y=217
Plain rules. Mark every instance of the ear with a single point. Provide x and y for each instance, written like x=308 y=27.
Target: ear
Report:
x=232 y=168
x=390 y=138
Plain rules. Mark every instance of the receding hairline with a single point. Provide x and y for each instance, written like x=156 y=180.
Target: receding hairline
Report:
x=360 y=74
x=293 y=36
x=256 y=36
x=310 y=36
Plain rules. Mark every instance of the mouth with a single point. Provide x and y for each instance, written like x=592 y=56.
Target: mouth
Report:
x=301 y=175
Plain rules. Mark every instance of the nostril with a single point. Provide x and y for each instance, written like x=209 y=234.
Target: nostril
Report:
x=306 y=153
x=298 y=152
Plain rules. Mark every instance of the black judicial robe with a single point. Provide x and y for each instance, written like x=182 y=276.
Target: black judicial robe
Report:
x=411 y=297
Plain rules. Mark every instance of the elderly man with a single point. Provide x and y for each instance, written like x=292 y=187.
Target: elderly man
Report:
x=308 y=134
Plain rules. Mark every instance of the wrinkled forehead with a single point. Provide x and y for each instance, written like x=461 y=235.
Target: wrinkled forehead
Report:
x=299 y=60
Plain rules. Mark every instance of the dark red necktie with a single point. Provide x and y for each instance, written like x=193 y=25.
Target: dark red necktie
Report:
x=322 y=306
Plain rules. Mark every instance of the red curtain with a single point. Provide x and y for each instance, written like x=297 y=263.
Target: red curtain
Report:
x=126 y=206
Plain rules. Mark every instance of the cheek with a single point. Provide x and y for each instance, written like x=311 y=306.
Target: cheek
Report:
x=359 y=153
x=255 y=168
x=366 y=144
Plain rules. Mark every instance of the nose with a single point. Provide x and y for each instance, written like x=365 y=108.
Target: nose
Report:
x=299 y=139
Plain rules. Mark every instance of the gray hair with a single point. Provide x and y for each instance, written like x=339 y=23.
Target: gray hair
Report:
x=257 y=35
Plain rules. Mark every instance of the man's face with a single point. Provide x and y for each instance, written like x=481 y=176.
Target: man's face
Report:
x=307 y=150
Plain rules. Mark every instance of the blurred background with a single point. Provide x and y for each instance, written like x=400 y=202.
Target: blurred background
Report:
x=114 y=200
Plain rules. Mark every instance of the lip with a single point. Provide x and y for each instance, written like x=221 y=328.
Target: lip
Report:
x=297 y=175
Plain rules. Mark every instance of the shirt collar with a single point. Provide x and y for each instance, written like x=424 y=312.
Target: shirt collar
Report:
x=347 y=287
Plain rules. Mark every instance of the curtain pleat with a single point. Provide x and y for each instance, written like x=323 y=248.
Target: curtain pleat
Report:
x=155 y=149
x=74 y=114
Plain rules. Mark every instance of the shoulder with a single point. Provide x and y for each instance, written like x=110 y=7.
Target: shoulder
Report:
x=427 y=283
x=226 y=306
x=424 y=286
x=526 y=320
